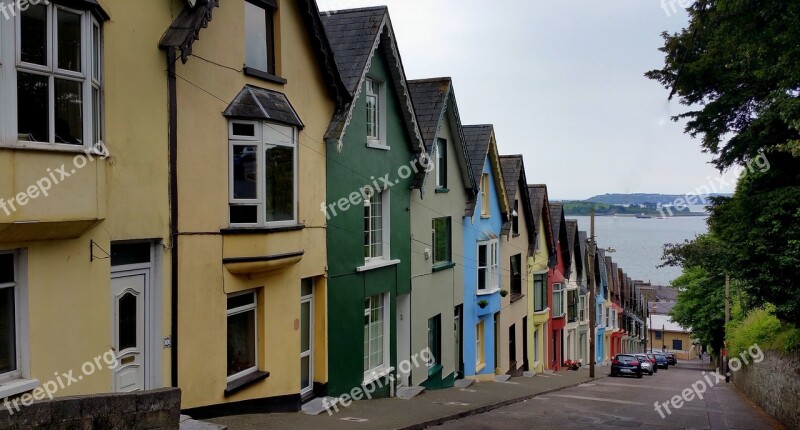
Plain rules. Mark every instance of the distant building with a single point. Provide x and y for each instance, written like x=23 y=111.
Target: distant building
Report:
x=670 y=336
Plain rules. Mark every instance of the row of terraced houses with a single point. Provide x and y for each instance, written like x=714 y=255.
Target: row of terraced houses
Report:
x=250 y=200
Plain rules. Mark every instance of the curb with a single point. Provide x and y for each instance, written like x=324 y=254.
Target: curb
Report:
x=489 y=407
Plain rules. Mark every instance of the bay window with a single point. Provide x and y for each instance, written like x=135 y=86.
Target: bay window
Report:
x=263 y=174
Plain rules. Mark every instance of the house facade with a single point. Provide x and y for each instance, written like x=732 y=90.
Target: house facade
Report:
x=437 y=236
x=583 y=299
x=516 y=243
x=482 y=255
x=574 y=284
x=558 y=276
x=249 y=163
x=600 y=306
x=539 y=268
x=84 y=206
x=374 y=161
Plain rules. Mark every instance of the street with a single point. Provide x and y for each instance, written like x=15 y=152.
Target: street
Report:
x=628 y=402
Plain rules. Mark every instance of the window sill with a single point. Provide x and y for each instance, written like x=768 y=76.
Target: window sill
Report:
x=485 y=216
x=443 y=266
x=542 y=312
x=261 y=230
x=245 y=381
x=516 y=296
x=442 y=190
x=487 y=292
x=377 y=265
x=378 y=145
x=256 y=73
x=479 y=368
x=17 y=386
x=515 y=235
x=375 y=374
x=47 y=147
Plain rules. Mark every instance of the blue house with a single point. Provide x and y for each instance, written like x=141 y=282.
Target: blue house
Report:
x=483 y=222
x=601 y=277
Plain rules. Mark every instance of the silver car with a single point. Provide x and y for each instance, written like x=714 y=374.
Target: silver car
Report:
x=647 y=365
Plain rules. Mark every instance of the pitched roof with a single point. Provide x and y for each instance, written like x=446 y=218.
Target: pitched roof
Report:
x=572 y=230
x=355 y=35
x=582 y=242
x=429 y=96
x=511 y=165
x=254 y=103
x=556 y=214
x=477 y=139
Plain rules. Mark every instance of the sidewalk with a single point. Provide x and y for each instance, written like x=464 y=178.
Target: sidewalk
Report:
x=427 y=409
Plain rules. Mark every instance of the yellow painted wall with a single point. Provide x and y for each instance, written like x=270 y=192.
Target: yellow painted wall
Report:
x=537 y=320
x=204 y=91
x=126 y=195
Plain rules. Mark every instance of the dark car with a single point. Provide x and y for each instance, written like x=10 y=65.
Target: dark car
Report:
x=661 y=361
x=671 y=358
x=625 y=364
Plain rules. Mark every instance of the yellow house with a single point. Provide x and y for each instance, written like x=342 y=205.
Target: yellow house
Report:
x=538 y=267
x=84 y=204
x=251 y=95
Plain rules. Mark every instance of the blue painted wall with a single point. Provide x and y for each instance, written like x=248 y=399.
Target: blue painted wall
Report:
x=477 y=229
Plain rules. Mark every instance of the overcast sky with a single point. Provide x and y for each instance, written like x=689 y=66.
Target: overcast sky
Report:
x=562 y=81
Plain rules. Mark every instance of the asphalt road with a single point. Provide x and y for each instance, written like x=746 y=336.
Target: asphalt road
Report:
x=628 y=402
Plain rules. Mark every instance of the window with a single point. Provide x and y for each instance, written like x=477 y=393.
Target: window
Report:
x=479 y=343
x=376 y=226
x=558 y=299
x=376 y=335
x=515 y=218
x=572 y=306
x=485 y=195
x=9 y=339
x=677 y=344
x=374 y=91
x=259 y=36
x=441 y=163
x=516 y=276
x=658 y=334
x=242 y=335
x=488 y=269
x=442 y=240
x=583 y=308
x=263 y=174
x=435 y=340
x=540 y=292
x=607 y=314
x=58 y=79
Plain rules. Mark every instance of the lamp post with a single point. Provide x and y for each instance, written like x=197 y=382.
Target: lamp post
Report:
x=650 y=326
x=592 y=311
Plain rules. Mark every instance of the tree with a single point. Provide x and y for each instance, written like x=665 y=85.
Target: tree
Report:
x=701 y=305
x=737 y=66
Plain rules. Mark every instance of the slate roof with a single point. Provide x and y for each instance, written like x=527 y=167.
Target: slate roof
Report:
x=572 y=230
x=429 y=96
x=254 y=103
x=583 y=243
x=477 y=139
x=556 y=212
x=511 y=166
x=354 y=36
x=537 y=195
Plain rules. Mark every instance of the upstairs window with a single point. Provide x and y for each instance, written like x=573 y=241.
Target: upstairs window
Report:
x=263 y=174
x=58 y=79
x=515 y=219
x=558 y=299
x=441 y=240
x=441 y=164
x=485 y=195
x=488 y=269
x=375 y=106
x=516 y=277
x=376 y=227
x=259 y=31
x=540 y=292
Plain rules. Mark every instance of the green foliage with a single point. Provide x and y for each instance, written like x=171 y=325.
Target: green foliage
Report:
x=763 y=328
x=701 y=305
x=736 y=66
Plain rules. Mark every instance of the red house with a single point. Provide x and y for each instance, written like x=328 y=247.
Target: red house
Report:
x=557 y=285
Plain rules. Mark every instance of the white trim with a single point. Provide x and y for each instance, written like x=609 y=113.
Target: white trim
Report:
x=21 y=318
x=377 y=264
x=487 y=292
x=381 y=142
x=380 y=372
x=384 y=367
x=310 y=353
x=18 y=386
x=240 y=310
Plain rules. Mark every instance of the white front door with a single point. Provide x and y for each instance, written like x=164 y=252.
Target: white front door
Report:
x=128 y=310
x=307 y=336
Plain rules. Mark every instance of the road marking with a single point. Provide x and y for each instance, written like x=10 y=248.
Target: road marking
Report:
x=469 y=391
x=541 y=398
x=587 y=385
x=613 y=384
x=599 y=399
x=354 y=420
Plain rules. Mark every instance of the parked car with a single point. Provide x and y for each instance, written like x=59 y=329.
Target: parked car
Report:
x=647 y=365
x=652 y=358
x=626 y=364
x=671 y=358
x=661 y=361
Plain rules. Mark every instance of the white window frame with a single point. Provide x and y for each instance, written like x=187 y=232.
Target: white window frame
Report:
x=492 y=266
x=441 y=162
x=240 y=310
x=11 y=65
x=486 y=201
x=384 y=367
x=18 y=380
x=480 y=337
x=262 y=130
x=377 y=141
x=558 y=294
x=385 y=227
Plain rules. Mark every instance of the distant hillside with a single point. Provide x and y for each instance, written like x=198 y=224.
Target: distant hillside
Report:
x=603 y=209
x=641 y=198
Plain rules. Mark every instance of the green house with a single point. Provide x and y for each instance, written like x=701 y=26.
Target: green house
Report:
x=375 y=159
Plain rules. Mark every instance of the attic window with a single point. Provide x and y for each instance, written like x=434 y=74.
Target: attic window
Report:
x=259 y=30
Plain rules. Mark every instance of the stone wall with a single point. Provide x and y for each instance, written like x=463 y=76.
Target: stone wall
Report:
x=774 y=384
x=156 y=410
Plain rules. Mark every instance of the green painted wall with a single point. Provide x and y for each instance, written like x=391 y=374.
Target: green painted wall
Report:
x=348 y=171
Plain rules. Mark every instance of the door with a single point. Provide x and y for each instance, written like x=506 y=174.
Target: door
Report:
x=525 y=344
x=306 y=337
x=128 y=310
x=512 y=348
x=458 y=334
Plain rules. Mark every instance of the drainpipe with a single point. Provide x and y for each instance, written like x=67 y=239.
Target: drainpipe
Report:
x=173 y=206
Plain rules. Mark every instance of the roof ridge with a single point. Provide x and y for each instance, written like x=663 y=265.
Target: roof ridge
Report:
x=443 y=78
x=352 y=10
